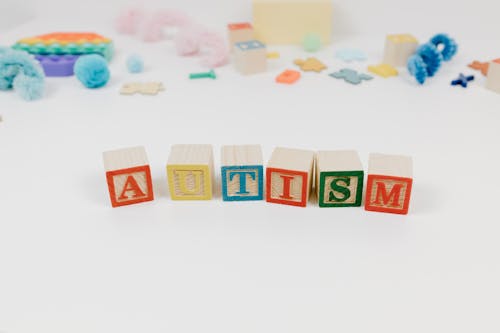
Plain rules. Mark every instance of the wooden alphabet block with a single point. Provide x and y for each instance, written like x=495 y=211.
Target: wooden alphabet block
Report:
x=493 y=77
x=239 y=32
x=242 y=173
x=289 y=176
x=339 y=179
x=389 y=184
x=398 y=48
x=190 y=172
x=128 y=176
x=250 y=57
x=289 y=21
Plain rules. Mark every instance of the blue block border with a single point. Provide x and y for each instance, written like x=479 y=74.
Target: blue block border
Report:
x=260 y=175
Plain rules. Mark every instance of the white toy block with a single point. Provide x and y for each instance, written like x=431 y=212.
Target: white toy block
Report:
x=250 y=57
x=289 y=21
x=128 y=176
x=398 y=48
x=239 y=32
x=242 y=173
x=493 y=77
x=339 y=179
x=190 y=171
x=289 y=175
x=389 y=183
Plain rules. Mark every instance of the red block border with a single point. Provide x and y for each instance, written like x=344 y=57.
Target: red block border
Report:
x=112 y=190
x=304 y=175
x=406 y=202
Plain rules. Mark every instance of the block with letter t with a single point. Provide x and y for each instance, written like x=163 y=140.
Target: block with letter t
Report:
x=339 y=179
x=242 y=173
x=128 y=176
x=389 y=184
x=289 y=176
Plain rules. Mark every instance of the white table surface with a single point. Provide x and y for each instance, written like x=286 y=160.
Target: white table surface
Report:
x=71 y=263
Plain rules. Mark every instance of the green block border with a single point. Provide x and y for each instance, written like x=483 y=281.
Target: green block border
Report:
x=359 y=189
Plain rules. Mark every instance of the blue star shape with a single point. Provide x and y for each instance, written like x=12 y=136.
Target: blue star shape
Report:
x=462 y=80
x=350 y=76
x=349 y=55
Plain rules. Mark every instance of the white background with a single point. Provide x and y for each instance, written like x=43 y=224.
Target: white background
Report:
x=71 y=263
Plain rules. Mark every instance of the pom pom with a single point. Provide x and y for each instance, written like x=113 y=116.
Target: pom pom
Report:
x=20 y=71
x=217 y=50
x=311 y=43
x=135 y=64
x=29 y=87
x=92 y=71
x=417 y=68
x=450 y=47
x=187 y=41
x=129 y=21
x=431 y=57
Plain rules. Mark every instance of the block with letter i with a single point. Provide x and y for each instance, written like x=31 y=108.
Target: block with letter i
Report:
x=289 y=176
x=242 y=173
x=389 y=184
x=190 y=171
x=339 y=179
x=250 y=57
x=128 y=176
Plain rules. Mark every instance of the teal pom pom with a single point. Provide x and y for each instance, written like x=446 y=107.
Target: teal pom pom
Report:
x=92 y=71
x=135 y=64
x=21 y=72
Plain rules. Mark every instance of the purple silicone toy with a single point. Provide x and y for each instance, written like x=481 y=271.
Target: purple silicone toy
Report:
x=57 y=65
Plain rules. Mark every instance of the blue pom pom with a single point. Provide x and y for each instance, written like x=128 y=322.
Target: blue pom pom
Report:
x=20 y=71
x=431 y=57
x=135 y=64
x=417 y=68
x=92 y=71
x=450 y=47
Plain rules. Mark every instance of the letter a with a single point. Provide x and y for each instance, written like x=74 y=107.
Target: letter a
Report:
x=131 y=185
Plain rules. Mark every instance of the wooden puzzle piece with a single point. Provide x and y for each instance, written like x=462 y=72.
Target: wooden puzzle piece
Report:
x=349 y=55
x=383 y=70
x=310 y=64
x=289 y=77
x=350 y=76
x=148 y=88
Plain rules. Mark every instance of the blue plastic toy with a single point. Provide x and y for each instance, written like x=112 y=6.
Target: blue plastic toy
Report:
x=92 y=71
x=21 y=72
x=135 y=64
x=427 y=61
x=462 y=80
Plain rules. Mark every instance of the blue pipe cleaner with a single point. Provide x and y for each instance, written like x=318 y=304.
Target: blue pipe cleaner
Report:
x=427 y=61
x=21 y=72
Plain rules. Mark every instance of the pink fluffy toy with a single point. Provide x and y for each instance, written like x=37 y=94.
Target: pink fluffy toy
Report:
x=195 y=39
x=129 y=21
x=153 y=28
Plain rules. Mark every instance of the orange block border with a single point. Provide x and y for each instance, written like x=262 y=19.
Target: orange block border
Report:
x=112 y=190
x=304 y=175
x=369 y=188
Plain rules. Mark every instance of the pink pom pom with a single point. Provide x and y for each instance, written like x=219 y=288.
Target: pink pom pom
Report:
x=217 y=49
x=152 y=31
x=129 y=20
x=187 y=41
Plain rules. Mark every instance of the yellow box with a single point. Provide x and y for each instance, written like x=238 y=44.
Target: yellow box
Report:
x=288 y=21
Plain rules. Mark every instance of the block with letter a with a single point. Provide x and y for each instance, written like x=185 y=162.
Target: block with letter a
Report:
x=289 y=176
x=128 y=176
x=389 y=184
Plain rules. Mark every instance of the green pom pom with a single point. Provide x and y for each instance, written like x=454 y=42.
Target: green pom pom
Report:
x=311 y=42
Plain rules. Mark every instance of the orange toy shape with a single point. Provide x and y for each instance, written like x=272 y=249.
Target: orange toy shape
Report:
x=289 y=76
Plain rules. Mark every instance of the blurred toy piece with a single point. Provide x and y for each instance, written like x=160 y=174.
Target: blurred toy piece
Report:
x=351 y=76
x=148 y=88
x=311 y=42
x=398 y=48
x=289 y=21
x=310 y=64
x=288 y=77
x=21 y=72
x=383 y=70
x=205 y=75
x=428 y=58
x=493 y=78
x=250 y=57
x=349 y=55
x=135 y=64
x=239 y=32
x=273 y=55
x=462 y=80
x=55 y=65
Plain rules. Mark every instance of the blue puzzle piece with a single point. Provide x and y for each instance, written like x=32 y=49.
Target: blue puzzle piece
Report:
x=349 y=55
x=351 y=76
x=250 y=45
x=462 y=80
